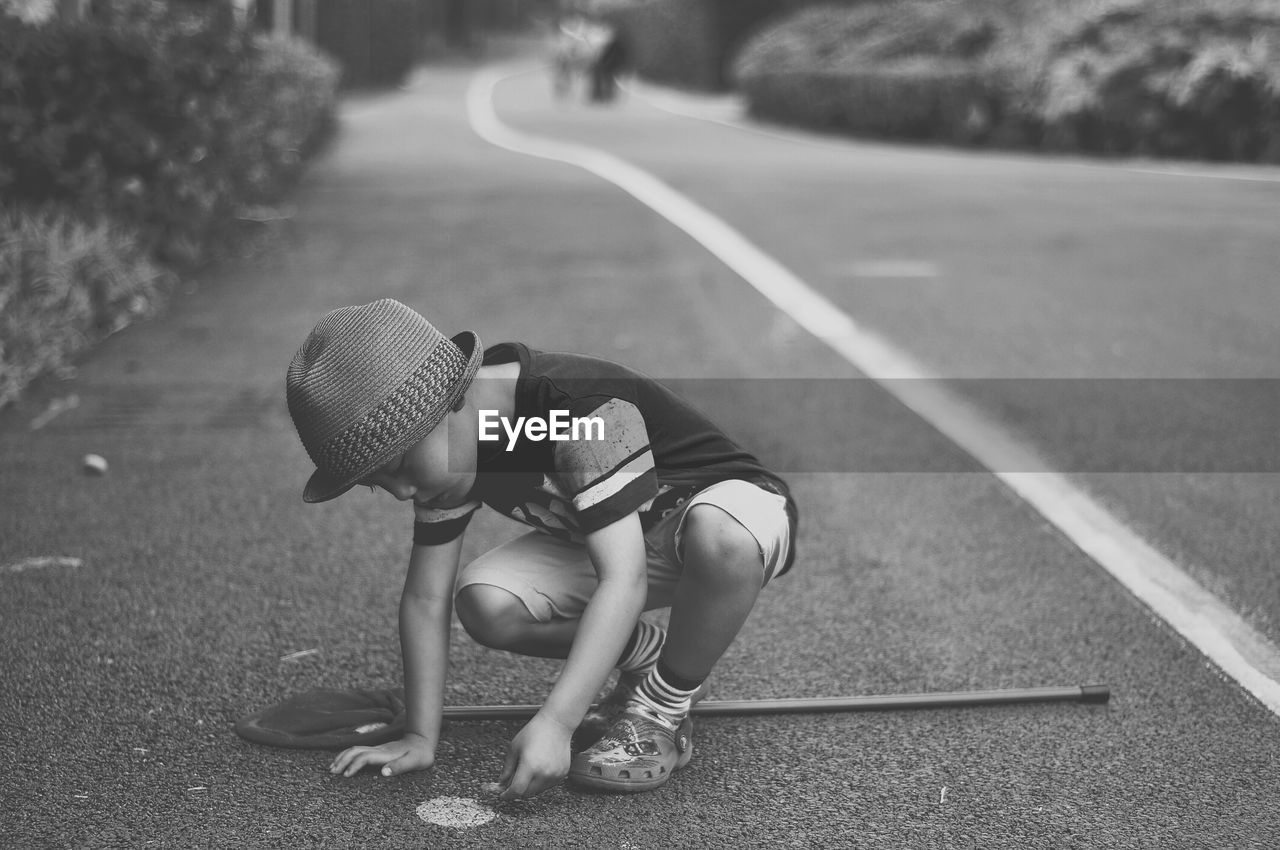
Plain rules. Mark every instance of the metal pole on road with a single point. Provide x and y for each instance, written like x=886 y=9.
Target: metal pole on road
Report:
x=814 y=705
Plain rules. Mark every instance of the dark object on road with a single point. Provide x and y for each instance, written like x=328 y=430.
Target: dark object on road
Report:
x=331 y=719
x=611 y=62
x=327 y=719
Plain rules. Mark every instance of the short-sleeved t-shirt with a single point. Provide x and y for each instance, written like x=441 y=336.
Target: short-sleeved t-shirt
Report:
x=633 y=446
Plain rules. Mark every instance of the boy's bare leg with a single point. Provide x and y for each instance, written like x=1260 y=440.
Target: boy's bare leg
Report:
x=496 y=618
x=718 y=586
x=717 y=589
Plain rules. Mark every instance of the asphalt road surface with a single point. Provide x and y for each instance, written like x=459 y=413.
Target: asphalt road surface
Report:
x=1086 y=306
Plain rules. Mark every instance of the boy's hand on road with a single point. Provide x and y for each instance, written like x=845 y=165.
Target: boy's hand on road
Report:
x=537 y=759
x=409 y=753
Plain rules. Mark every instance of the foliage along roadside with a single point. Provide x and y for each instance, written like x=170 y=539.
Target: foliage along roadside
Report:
x=162 y=119
x=1128 y=77
x=129 y=146
x=65 y=283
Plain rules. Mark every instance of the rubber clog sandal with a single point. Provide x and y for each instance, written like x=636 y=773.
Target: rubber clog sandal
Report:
x=638 y=753
x=603 y=714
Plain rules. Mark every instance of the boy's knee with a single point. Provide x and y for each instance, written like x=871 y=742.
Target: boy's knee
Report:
x=492 y=616
x=717 y=545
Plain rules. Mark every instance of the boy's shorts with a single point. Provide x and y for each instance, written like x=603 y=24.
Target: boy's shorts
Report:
x=554 y=578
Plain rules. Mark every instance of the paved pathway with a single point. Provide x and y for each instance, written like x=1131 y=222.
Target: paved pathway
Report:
x=200 y=570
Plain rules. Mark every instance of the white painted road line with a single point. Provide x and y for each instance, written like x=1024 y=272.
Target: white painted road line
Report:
x=1201 y=618
x=894 y=269
x=41 y=562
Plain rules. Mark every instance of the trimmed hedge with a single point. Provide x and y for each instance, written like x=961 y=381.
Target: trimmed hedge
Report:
x=692 y=43
x=923 y=101
x=1142 y=77
x=913 y=70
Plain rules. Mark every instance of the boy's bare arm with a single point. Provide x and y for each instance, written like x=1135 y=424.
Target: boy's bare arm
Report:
x=539 y=754
x=426 y=608
x=618 y=553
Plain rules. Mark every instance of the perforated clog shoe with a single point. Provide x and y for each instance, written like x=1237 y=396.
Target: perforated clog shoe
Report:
x=638 y=753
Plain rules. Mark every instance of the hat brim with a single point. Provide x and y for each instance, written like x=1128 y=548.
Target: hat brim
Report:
x=321 y=486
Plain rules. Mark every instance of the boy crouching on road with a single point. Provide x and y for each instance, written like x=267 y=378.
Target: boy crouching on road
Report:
x=637 y=502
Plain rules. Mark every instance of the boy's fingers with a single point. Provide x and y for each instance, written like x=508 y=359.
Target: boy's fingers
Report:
x=341 y=761
x=397 y=766
x=541 y=781
x=362 y=760
x=406 y=762
x=507 y=778
x=516 y=790
x=526 y=784
x=508 y=768
x=546 y=783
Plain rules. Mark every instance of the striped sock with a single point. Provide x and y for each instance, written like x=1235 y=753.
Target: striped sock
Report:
x=667 y=692
x=643 y=648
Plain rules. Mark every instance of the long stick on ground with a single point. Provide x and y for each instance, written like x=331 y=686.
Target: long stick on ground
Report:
x=888 y=702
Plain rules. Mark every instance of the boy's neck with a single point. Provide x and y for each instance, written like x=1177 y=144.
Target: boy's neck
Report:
x=494 y=388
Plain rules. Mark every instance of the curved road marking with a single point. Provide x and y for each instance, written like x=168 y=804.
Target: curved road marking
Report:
x=1201 y=618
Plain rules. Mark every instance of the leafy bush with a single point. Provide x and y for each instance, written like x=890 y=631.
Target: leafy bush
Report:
x=838 y=39
x=65 y=283
x=163 y=117
x=121 y=117
x=908 y=100
x=156 y=123
x=1166 y=81
x=910 y=69
x=285 y=104
x=1196 y=78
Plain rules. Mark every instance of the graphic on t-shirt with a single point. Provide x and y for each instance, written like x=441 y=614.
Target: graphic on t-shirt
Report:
x=657 y=450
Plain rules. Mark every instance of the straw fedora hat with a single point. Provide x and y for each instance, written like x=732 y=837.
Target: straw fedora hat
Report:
x=369 y=382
